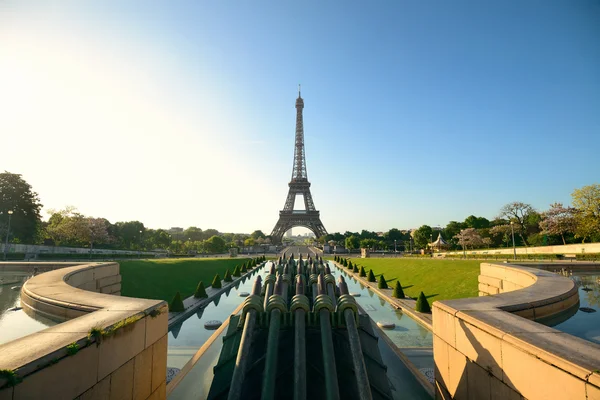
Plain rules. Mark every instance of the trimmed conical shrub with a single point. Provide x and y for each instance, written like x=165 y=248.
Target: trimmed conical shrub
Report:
x=422 y=304
x=362 y=273
x=200 y=291
x=398 y=292
x=176 y=304
x=227 y=277
x=382 y=284
x=236 y=271
x=216 y=283
x=345 y=262
x=244 y=269
x=349 y=264
x=371 y=276
x=355 y=269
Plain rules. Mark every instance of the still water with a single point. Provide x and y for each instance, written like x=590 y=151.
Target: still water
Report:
x=585 y=325
x=14 y=323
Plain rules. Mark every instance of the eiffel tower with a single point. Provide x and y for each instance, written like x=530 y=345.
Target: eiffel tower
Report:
x=288 y=217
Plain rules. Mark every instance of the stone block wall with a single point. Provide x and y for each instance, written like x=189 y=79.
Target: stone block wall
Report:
x=484 y=350
x=120 y=343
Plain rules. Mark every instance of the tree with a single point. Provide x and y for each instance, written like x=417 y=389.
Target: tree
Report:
x=519 y=213
x=422 y=304
x=368 y=243
x=200 y=291
x=398 y=292
x=471 y=238
x=193 y=233
x=250 y=242
x=382 y=284
x=587 y=202
x=129 y=234
x=504 y=231
x=422 y=236
x=176 y=304
x=477 y=222
x=216 y=283
x=371 y=276
x=257 y=235
x=558 y=220
x=215 y=244
x=227 y=277
x=16 y=195
x=352 y=242
x=362 y=272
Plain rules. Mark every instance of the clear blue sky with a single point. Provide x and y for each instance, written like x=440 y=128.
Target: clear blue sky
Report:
x=182 y=113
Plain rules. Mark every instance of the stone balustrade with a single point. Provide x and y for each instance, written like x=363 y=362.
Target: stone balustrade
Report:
x=109 y=346
x=491 y=348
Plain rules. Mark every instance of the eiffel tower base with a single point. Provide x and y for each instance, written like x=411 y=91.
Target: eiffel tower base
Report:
x=288 y=220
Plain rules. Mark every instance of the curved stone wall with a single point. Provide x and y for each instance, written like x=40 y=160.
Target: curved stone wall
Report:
x=491 y=348
x=110 y=346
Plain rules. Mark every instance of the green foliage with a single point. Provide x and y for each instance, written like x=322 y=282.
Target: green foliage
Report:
x=371 y=276
x=17 y=196
x=216 y=283
x=345 y=262
x=96 y=333
x=352 y=242
x=72 y=348
x=422 y=304
x=236 y=271
x=200 y=291
x=422 y=236
x=10 y=376
x=382 y=284
x=349 y=264
x=176 y=304
x=398 y=292
x=227 y=277
x=215 y=244
x=354 y=269
x=587 y=202
x=362 y=273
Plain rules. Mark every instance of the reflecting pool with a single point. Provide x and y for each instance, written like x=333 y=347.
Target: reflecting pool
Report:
x=585 y=323
x=14 y=322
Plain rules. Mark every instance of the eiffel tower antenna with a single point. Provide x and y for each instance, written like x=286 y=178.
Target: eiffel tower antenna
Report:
x=299 y=184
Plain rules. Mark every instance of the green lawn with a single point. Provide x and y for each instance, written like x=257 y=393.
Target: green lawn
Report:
x=438 y=279
x=161 y=279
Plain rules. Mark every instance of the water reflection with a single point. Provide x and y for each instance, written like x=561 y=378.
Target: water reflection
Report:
x=582 y=324
x=18 y=323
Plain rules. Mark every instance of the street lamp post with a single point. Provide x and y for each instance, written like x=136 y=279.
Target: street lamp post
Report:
x=140 y=249
x=395 y=249
x=512 y=229
x=10 y=212
x=431 y=243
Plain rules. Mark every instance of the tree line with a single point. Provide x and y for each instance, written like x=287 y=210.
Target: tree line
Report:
x=68 y=227
x=559 y=224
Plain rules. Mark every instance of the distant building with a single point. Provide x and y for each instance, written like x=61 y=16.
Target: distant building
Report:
x=289 y=234
x=175 y=229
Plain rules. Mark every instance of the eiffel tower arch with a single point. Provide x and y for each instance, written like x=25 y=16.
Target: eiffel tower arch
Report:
x=288 y=217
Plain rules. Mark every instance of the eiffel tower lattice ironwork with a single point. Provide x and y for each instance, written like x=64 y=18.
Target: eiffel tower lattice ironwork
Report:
x=288 y=217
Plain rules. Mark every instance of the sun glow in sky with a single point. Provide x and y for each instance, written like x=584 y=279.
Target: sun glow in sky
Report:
x=182 y=113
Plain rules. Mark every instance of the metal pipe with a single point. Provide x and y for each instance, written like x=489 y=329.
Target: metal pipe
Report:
x=270 y=372
x=269 y=286
x=360 y=369
x=332 y=391
x=243 y=355
x=330 y=283
x=300 y=346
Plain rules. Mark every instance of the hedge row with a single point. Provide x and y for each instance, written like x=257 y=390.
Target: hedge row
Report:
x=508 y=256
x=81 y=256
